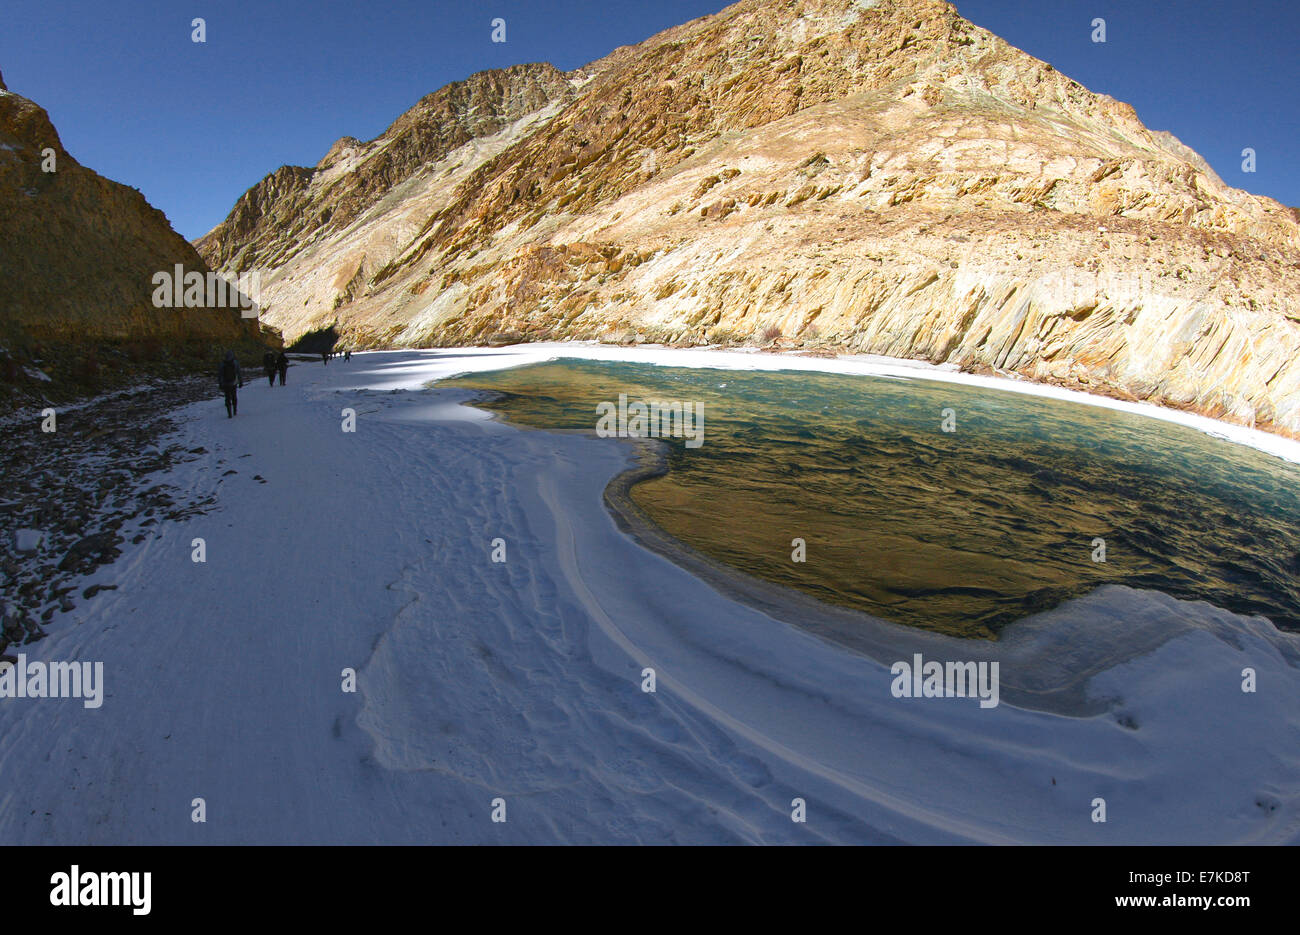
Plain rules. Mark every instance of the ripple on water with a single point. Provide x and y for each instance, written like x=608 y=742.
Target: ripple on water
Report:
x=960 y=532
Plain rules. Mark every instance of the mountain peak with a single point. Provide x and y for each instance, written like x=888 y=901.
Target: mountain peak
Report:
x=293 y=205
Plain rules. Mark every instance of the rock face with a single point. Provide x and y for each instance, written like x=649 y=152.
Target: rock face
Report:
x=79 y=251
x=274 y=222
x=866 y=175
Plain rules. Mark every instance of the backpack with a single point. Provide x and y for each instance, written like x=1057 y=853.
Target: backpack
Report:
x=229 y=372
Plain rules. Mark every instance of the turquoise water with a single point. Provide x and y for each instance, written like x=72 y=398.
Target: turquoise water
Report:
x=961 y=532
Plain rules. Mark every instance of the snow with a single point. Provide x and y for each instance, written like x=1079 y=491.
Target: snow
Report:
x=28 y=540
x=522 y=680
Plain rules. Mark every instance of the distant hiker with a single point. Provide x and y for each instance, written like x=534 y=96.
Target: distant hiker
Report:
x=268 y=365
x=347 y=355
x=282 y=365
x=229 y=376
x=325 y=358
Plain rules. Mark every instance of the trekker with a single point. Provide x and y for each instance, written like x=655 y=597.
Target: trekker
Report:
x=282 y=365
x=268 y=365
x=325 y=358
x=228 y=376
x=347 y=355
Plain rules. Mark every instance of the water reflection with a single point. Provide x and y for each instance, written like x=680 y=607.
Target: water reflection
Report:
x=960 y=532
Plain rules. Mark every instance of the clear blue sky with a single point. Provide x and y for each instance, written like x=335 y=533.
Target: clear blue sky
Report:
x=192 y=126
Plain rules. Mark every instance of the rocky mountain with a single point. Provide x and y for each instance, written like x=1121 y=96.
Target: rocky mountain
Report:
x=861 y=175
x=77 y=265
x=274 y=221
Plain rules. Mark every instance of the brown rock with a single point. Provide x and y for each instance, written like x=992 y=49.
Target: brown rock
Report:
x=80 y=251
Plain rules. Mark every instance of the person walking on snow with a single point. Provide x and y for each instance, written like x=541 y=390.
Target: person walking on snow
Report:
x=268 y=365
x=282 y=365
x=228 y=377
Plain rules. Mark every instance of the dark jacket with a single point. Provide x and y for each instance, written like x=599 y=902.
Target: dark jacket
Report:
x=229 y=374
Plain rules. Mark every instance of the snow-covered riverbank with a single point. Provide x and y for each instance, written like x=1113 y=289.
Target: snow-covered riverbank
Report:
x=522 y=681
